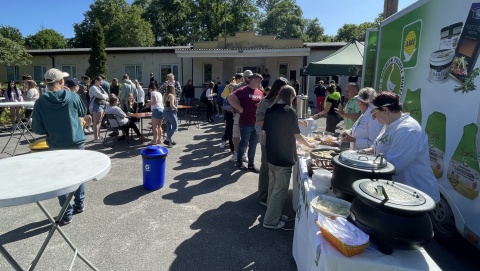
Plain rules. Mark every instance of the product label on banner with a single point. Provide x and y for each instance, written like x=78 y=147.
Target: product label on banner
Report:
x=436 y=161
x=464 y=179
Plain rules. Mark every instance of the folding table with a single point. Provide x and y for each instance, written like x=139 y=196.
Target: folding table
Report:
x=48 y=175
x=21 y=128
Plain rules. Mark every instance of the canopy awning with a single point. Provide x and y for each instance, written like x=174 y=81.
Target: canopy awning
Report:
x=347 y=60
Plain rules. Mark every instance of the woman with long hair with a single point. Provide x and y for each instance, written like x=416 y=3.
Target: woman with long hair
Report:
x=31 y=95
x=260 y=116
x=156 y=104
x=98 y=98
x=140 y=101
x=210 y=95
x=115 y=87
x=331 y=102
x=13 y=94
x=188 y=92
x=170 y=115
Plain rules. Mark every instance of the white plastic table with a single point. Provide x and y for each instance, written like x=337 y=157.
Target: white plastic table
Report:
x=23 y=127
x=49 y=174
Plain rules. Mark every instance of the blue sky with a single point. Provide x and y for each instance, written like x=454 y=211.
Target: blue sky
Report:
x=30 y=15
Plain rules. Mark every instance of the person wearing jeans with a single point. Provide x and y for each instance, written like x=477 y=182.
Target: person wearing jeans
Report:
x=245 y=100
x=170 y=115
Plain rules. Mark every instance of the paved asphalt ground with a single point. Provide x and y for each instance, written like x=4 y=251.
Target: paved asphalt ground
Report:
x=206 y=217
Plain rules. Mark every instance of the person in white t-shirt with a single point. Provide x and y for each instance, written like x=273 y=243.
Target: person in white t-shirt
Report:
x=156 y=104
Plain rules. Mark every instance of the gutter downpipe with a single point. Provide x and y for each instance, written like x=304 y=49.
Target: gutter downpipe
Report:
x=53 y=61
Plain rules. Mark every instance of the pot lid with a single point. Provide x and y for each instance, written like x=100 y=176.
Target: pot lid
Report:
x=362 y=160
x=393 y=194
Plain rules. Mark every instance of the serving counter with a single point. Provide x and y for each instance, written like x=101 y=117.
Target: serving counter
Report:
x=312 y=252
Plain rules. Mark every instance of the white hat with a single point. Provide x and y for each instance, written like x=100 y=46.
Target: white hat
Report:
x=247 y=73
x=54 y=75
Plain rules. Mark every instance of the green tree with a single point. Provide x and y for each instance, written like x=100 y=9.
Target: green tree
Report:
x=123 y=25
x=268 y=5
x=348 y=32
x=46 y=39
x=13 y=53
x=98 y=56
x=12 y=33
x=313 y=30
x=284 y=20
x=169 y=19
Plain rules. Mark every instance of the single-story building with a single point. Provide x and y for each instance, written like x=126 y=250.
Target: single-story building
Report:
x=201 y=62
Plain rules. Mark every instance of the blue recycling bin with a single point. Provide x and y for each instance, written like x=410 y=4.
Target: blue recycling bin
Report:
x=154 y=167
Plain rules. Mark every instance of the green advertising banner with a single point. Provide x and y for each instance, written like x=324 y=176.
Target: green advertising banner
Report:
x=428 y=55
x=369 y=57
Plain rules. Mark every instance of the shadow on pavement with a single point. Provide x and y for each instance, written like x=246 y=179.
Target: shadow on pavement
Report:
x=126 y=196
x=232 y=238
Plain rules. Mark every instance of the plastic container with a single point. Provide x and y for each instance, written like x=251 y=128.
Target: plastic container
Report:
x=154 y=167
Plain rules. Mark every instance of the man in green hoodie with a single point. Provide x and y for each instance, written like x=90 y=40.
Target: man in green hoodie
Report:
x=56 y=114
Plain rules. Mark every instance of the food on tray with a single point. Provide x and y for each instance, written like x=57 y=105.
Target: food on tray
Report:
x=328 y=206
x=321 y=154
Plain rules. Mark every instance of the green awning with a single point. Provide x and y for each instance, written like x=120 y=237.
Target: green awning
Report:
x=347 y=60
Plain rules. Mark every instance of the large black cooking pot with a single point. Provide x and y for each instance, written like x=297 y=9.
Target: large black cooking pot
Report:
x=352 y=165
x=393 y=214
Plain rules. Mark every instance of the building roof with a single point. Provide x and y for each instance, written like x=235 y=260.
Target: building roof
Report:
x=243 y=52
x=111 y=50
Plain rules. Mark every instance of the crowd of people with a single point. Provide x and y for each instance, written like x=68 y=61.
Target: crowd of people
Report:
x=253 y=113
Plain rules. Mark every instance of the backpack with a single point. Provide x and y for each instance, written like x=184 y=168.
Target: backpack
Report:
x=203 y=97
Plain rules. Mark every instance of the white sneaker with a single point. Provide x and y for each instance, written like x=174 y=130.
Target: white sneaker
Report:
x=216 y=116
x=98 y=140
x=223 y=144
x=85 y=131
x=233 y=158
x=90 y=130
x=221 y=116
x=245 y=159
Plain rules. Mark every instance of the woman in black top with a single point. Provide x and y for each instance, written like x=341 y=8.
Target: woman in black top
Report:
x=331 y=102
x=188 y=92
x=115 y=87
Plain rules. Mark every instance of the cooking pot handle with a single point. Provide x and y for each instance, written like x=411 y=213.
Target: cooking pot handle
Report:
x=381 y=158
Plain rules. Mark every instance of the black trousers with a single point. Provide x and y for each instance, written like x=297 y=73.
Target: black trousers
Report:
x=209 y=110
x=228 y=135
x=332 y=121
x=126 y=128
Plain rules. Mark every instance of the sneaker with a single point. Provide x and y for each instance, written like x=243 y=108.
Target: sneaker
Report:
x=233 y=158
x=66 y=220
x=166 y=142
x=90 y=130
x=279 y=225
x=264 y=203
x=223 y=144
x=253 y=169
x=173 y=143
x=221 y=116
x=217 y=115
x=169 y=145
x=245 y=159
x=85 y=131
x=98 y=140
x=79 y=208
x=240 y=165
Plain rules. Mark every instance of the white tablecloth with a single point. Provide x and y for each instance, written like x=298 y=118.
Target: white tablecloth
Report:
x=312 y=252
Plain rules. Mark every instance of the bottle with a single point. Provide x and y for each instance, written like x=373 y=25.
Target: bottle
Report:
x=436 y=132
x=309 y=112
x=463 y=170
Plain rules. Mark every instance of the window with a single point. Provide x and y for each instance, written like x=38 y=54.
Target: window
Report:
x=134 y=72
x=38 y=73
x=12 y=73
x=71 y=70
x=207 y=73
x=283 y=70
x=166 y=69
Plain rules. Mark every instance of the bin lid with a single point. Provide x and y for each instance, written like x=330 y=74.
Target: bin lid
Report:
x=154 y=151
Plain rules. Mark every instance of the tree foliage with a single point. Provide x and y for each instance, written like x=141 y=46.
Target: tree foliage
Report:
x=352 y=31
x=12 y=33
x=313 y=30
x=98 y=56
x=46 y=39
x=13 y=53
x=285 y=20
x=122 y=24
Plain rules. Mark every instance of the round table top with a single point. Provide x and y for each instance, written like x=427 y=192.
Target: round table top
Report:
x=43 y=175
x=140 y=115
x=182 y=106
x=16 y=104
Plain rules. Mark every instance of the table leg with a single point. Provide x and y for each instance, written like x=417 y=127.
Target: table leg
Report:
x=10 y=259
x=55 y=227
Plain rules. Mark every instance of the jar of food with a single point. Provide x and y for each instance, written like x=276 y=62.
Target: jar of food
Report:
x=440 y=62
x=450 y=35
